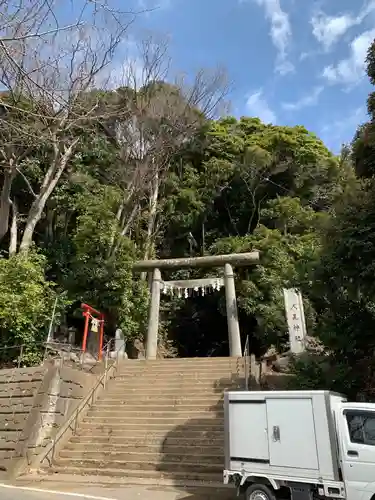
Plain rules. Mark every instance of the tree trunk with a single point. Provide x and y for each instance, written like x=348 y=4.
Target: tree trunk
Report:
x=203 y=250
x=121 y=217
x=153 y=207
x=13 y=230
x=50 y=219
x=34 y=216
x=129 y=220
x=51 y=179
x=113 y=245
x=5 y=202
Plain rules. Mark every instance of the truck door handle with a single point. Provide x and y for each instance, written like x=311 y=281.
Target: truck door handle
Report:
x=276 y=433
x=353 y=453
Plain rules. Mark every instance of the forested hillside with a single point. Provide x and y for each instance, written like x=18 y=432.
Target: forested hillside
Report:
x=96 y=175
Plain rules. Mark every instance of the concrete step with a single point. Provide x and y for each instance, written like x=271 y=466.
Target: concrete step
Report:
x=219 y=379
x=151 y=406
x=153 y=376
x=217 y=368
x=210 y=374
x=167 y=394
x=152 y=458
x=137 y=475
x=178 y=368
x=177 y=388
x=209 y=418
x=212 y=401
x=190 y=388
x=212 y=439
x=193 y=448
x=156 y=432
x=177 y=362
x=149 y=423
x=181 y=393
x=198 y=489
x=184 y=361
x=157 y=420
x=127 y=413
x=143 y=464
x=162 y=396
x=211 y=381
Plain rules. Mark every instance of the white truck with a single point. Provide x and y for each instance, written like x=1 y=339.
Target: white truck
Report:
x=299 y=445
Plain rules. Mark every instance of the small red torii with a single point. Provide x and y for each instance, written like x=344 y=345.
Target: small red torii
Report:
x=88 y=312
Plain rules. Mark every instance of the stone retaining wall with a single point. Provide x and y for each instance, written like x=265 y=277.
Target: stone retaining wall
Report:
x=34 y=403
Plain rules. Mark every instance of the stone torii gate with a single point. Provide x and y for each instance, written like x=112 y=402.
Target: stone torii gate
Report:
x=225 y=261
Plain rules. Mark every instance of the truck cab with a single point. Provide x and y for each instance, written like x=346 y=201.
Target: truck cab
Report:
x=301 y=445
x=355 y=427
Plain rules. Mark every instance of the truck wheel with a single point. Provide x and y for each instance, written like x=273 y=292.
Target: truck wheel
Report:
x=260 y=492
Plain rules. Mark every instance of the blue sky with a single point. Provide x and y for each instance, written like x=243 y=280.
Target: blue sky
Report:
x=289 y=61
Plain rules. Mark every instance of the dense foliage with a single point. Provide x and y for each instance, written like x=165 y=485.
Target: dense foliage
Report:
x=343 y=278
x=92 y=183
x=232 y=185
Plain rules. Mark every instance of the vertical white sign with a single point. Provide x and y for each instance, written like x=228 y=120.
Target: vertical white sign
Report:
x=295 y=317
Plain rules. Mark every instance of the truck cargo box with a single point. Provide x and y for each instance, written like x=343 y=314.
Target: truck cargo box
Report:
x=282 y=433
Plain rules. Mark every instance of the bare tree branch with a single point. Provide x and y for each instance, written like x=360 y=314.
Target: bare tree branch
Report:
x=38 y=35
x=50 y=81
x=159 y=119
x=26 y=181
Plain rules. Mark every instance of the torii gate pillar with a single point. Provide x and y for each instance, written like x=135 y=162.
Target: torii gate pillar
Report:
x=225 y=261
x=234 y=336
x=153 y=317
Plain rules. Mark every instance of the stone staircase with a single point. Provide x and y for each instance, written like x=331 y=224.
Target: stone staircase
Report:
x=157 y=421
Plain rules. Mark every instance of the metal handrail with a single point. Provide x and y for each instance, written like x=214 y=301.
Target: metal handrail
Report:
x=87 y=401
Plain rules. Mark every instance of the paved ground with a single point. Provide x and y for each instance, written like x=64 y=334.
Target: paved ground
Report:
x=59 y=491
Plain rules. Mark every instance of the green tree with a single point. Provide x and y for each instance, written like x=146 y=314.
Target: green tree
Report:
x=97 y=277
x=221 y=182
x=150 y=173
x=343 y=278
x=26 y=303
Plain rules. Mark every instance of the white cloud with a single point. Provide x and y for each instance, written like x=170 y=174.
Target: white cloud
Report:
x=283 y=66
x=351 y=70
x=304 y=102
x=281 y=32
x=258 y=107
x=329 y=29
